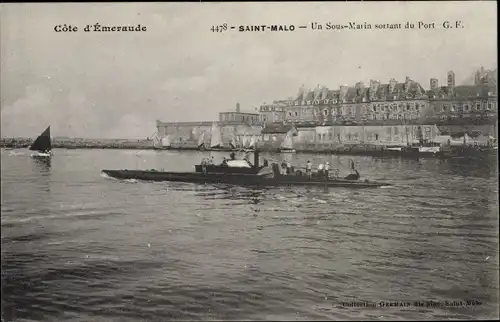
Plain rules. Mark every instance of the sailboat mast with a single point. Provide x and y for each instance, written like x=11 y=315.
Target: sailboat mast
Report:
x=406 y=131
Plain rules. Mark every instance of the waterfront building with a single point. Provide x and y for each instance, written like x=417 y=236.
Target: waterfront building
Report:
x=234 y=126
x=395 y=113
x=379 y=114
x=272 y=135
x=391 y=101
x=238 y=117
x=274 y=112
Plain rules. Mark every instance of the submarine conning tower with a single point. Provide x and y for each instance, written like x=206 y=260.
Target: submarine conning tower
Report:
x=256 y=158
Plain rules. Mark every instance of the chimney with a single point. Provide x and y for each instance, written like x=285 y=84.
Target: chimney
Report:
x=477 y=78
x=237 y=107
x=343 y=92
x=434 y=83
x=317 y=92
x=451 y=78
x=359 y=88
x=373 y=87
x=392 y=84
x=324 y=93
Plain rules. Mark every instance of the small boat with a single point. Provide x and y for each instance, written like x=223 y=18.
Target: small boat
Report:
x=287 y=145
x=42 y=146
x=429 y=149
x=244 y=174
x=161 y=143
x=165 y=142
x=394 y=148
x=201 y=141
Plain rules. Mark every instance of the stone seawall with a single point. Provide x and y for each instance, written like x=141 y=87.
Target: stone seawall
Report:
x=344 y=149
x=81 y=144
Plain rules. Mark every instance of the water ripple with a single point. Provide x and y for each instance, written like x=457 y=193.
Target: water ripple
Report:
x=78 y=246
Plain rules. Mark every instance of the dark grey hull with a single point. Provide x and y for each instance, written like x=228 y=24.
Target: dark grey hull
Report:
x=238 y=179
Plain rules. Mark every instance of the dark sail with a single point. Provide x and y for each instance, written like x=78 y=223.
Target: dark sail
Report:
x=42 y=143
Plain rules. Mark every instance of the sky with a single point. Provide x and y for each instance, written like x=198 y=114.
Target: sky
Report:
x=116 y=85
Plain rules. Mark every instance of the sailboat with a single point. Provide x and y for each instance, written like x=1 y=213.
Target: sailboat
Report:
x=156 y=142
x=233 y=142
x=201 y=141
x=165 y=142
x=216 y=138
x=42 y=146
x=244 y=141
x=287 y=145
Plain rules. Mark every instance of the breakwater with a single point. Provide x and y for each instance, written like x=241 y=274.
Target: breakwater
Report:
x=17 y=143
x=353 y=149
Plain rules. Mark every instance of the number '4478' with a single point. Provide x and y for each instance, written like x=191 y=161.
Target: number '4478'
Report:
x=219 y=28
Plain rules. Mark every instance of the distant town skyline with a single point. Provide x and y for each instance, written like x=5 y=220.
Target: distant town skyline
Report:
x=117 y=85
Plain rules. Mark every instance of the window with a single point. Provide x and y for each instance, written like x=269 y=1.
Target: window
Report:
x=376 y=137
x=330 y=136
x=395 y=131
x=319 y=137
x=490 y=106
x=374 y=108
x=445 y=107
x=478 y=106
x=348 y=136
x=407 y=106
x=466 y=107
x=289 y=113
x=296 y=114
x=325 y=112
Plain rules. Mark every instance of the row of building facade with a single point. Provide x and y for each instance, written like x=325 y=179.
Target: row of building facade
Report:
x=379 y=114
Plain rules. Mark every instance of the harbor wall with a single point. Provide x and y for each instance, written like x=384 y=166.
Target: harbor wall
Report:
x=370 y=136
x=187 y=134
x=334 y=139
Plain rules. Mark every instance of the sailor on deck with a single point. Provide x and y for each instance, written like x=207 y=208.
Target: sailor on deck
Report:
x=284 y=169
x=204 y=162
x=321 y=166
x=309 y=168
x=326 y=170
